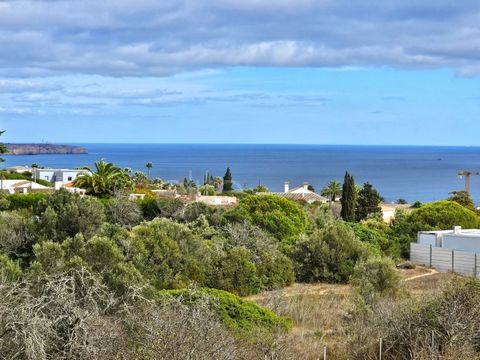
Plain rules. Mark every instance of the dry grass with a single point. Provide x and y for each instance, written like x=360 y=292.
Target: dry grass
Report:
x=318 y=311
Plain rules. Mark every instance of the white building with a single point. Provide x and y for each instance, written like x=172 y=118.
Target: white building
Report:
x=456 y=239
x=300 y=193
x=21 y=186
x=58 y=175
x=19 y=169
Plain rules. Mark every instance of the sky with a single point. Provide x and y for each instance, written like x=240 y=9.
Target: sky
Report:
x=393 y=72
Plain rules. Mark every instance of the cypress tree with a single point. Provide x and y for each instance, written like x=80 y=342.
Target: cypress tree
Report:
x=368 y=202
x=227 y=181
x=348 y=198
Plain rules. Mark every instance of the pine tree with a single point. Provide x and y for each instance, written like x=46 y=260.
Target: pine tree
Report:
x=227 y=181
x=348 y=198
x=368 y=202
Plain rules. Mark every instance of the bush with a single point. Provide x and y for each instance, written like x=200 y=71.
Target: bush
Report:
x=25 y=201
x=378 y=239
x=274 y=269
x=329 y=254
x=283 y=218
x=445 y=215
x=17 y=234
x=64 y=214
x=375 y=278
x=242 y=316
x=406 y=327
x=123 y=212
x=168 y=254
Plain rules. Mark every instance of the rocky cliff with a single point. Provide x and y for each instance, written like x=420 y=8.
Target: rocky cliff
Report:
x=38 y=149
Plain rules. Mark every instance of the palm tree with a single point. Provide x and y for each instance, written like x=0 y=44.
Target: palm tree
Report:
x=332 y=190
x=149 y=167
x=105 y=180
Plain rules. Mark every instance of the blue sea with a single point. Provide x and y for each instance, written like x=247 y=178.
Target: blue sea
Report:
x=412 y=173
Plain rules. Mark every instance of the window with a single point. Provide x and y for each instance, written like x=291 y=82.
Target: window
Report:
x=69 y=178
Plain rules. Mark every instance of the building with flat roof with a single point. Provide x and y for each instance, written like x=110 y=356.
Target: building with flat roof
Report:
x=58 y=175
x=455 y=239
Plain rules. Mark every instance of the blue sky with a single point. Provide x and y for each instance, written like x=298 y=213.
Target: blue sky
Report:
x=251 y=71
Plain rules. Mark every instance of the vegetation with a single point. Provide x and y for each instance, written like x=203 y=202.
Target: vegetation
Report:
x=349 y=198
x=463 y=198
x=105 y=277
x=329 y=254
x=281 y=217
x=106 y=180
x=368 y=203
x=332 y=191
x=227 y=181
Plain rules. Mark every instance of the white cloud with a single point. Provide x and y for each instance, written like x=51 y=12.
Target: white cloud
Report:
x=149 y=37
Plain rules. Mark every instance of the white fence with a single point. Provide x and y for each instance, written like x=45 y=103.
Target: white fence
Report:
x=461 y=262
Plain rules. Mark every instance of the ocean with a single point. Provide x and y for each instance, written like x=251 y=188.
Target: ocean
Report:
x=409 y=172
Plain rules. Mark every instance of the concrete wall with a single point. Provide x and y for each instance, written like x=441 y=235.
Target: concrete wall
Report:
x=461 y=242
x=445 y=260
x=428 y=239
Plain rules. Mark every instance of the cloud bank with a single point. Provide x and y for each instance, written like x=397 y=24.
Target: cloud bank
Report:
x=161 y=38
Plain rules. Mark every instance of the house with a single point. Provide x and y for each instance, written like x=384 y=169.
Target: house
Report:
x=58 y=175
x=215 y=200
x=22 y=187
x=166 y=193
x=19 y=169
x=300 y=193
x=456 y=239
x=454 y=250
x=70 y=188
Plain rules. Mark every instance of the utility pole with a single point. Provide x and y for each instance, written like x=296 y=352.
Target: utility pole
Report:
x=467 y=174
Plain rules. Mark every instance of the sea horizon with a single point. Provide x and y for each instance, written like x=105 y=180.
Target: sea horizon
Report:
x=412 y=172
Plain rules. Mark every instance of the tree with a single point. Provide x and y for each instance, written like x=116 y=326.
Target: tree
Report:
x=368 y=202
x=227 y=181
x=207 y=190
x=3 y=148
x=329 y=254
x=443 y=215
x=349 y=198
x=105 y=180
x=332 y=190
x=149 y=167
x=281 y=217
x=463 y=198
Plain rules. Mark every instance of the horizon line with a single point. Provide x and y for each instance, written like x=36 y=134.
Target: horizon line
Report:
x=243 y=144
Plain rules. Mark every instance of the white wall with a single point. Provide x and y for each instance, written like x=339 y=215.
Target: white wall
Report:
x=461 y=242
x=427 y=239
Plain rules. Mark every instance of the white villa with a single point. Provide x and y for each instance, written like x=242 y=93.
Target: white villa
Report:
x=21 y=186
x=58 y=175
x=300 y=193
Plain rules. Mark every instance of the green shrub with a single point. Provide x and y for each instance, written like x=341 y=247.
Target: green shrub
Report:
x=445 y=215
x=378 y=239
x=9 y=269
x=329 y=254
x=235 y=271
x=17 y=234
x=375 y=278
x=168 y=254
x=244 y=317
x=25 y=201
x=281 y=217
x=64 y=214
x=149 y=206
